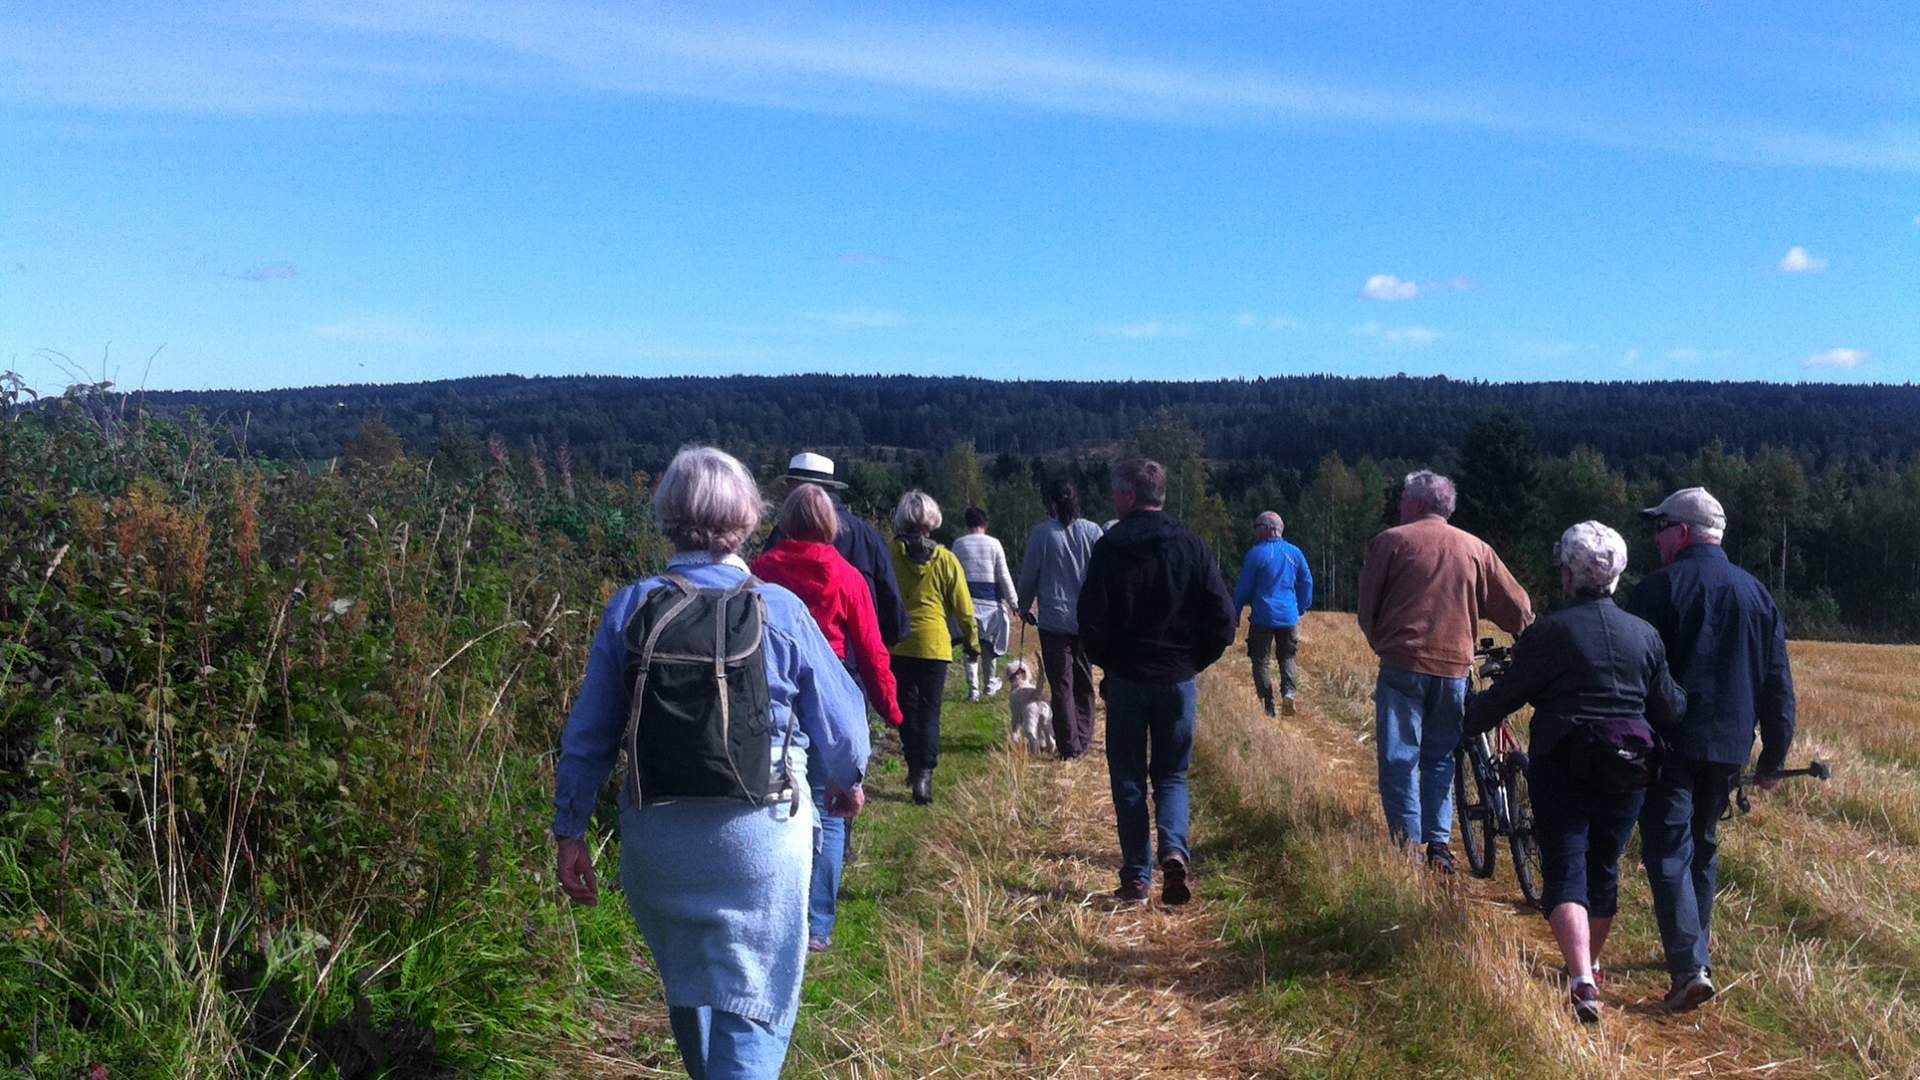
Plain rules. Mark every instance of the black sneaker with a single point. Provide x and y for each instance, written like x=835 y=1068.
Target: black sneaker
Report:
x=1689 y=992
x=1440 y=858
x=1586 y=1003
x=1131 y=892
x=1174 y=889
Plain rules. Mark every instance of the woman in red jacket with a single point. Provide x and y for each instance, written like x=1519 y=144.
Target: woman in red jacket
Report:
x=806 y=564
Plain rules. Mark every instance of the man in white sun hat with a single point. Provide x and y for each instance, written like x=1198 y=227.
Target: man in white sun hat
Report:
x=857 y=542
x=1727 y=647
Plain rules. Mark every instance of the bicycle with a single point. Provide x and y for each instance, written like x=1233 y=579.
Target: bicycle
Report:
x=1496 y=801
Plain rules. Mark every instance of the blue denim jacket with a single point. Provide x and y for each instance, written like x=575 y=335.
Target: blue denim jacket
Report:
x=804 y=680
x=1727 y=645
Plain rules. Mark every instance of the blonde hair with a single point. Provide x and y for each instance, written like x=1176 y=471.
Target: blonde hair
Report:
x=917 y=513
x=707 y=501
x=808 y=515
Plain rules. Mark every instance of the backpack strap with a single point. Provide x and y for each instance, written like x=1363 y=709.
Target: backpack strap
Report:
x=687 y=594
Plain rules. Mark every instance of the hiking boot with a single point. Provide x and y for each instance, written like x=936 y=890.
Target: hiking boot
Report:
x=1440 y=858
x=1131 y=892
x=1174 y=889
x=1286 y=705
x=920 y=782
x=1689 y=992
x=1586 y=1002
x=1267 y=704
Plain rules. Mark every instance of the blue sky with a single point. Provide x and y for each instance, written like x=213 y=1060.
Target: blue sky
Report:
x=274 y=194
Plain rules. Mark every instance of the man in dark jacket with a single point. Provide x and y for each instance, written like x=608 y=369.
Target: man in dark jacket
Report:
x=857 y=542
x=1153 y=613
x=1728 y=650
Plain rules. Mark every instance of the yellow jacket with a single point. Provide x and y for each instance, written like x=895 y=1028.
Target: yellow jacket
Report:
x=933 y=589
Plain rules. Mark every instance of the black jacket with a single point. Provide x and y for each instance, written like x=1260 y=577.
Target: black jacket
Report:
x=1153 y=608
x=861 y=544
x=1587 y=662
x=1728 y=647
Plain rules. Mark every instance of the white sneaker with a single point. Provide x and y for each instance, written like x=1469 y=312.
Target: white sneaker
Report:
x=994 y=687
x=973 y=697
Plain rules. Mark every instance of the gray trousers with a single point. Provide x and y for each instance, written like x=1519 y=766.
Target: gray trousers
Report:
x=1263 y=640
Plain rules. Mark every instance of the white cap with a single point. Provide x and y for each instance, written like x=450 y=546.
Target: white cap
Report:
x=1594 y=553
x=1692 y=505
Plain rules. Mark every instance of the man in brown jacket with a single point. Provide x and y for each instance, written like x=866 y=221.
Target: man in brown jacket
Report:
x=1423 y=591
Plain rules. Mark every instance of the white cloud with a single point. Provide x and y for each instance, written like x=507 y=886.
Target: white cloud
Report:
x=1248 y=320
x=379 y=330
x=1414 y=336
x=1798 y=260
x=1388 y=287
x=858 y=318
x=1684 y=355
x=1145 y=330
x=1836 y=358
x=1630 y=357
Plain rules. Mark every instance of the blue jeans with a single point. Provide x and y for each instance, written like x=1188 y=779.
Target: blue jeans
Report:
x=719 y=1045
x=1680 y=845
x=1149 y=741
x=829 y=857
x=1416 y=727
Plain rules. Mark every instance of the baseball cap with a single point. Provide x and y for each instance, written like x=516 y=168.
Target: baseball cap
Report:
x=1692 y=505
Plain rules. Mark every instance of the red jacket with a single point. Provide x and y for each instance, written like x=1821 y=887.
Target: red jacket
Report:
x=839 y=600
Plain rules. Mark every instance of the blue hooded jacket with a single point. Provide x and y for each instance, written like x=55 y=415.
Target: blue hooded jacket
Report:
x=1274 y=579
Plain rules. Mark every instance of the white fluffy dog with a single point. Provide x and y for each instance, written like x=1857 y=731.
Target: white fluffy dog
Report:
x=1031 y=717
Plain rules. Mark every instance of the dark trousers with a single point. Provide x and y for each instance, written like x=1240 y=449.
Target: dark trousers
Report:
x=1071 y=674
x=1680 y=844
x=1283 y=641
x=921 y=684
x=1582 y=832
x=1149 y=747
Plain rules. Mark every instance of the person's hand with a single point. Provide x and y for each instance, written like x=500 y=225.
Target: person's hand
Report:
x=1766 y=781
x=576 y=871
x=973 y=656
x=846 y=804
x=1028 y=618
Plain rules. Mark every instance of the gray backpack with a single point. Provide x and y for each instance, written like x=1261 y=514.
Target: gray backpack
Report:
x=701 y=710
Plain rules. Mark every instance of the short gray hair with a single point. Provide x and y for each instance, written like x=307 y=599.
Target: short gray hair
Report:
x=1430 y=491
x=1268 y=519
x=917 y=513
x=707 y=501
x=1594 y=556
x=1145 y=479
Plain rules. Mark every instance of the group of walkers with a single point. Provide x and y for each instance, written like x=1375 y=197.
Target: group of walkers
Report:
x=1643 y=715
x=738 y=694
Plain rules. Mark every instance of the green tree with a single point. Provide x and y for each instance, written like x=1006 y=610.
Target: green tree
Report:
x=1498 y=483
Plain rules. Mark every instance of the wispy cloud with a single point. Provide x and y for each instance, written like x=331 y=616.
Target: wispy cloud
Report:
x=270 y=272
x=1388 y=287
x=1415 y=336
x=364 y=56
x=1249 y=320
x=858 y=318
x=380 y=330
x=1799 y=260
x=1145 y=330
x=1835 y=359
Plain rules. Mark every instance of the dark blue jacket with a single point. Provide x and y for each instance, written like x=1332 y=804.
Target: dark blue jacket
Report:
x=861 y=544
x=1153 y=608
x=1728 y=650
x=1587 y=662
x=1275 y=580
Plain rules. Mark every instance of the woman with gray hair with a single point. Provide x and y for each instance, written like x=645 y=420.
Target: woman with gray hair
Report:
x=1601 y=693
x=739 y=698
x=934 y=589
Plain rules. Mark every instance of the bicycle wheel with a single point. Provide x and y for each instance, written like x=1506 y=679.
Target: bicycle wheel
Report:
x=1474 y=811
x=1526 y=845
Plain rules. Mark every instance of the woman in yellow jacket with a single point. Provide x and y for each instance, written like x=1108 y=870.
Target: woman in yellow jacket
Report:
x=934 y=590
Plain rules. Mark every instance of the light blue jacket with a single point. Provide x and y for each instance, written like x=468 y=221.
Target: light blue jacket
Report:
x=804 y=680
x=1275 y=580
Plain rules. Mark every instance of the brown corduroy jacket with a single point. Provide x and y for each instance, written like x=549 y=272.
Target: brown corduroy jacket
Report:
x=1423 y=591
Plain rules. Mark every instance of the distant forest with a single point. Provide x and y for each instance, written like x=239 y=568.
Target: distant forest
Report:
x=1821 y=482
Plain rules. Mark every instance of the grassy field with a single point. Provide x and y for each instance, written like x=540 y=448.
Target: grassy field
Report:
x=977 y=939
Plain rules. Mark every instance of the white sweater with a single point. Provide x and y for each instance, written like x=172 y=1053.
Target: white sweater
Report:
x=985 y=564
